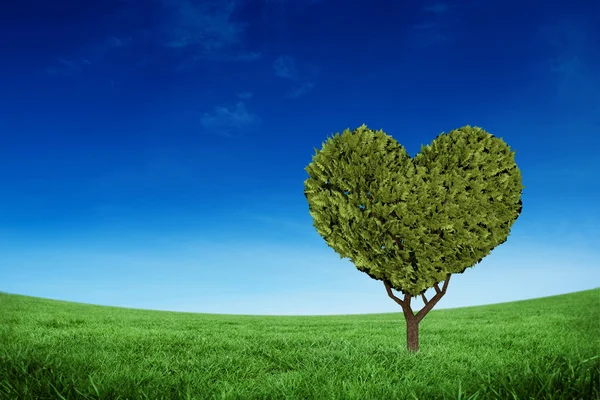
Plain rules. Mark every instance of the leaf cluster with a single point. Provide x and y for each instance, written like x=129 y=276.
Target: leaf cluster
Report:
x=411 y=221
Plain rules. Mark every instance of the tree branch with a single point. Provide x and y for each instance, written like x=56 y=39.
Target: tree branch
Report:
x=428 y=306
x=446 y=284
x=405 y=304
x=388 y=288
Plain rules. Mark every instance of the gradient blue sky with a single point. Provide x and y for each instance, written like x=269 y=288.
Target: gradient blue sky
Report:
x=152 y=153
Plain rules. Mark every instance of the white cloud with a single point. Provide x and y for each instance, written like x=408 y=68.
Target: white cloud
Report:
x=285 y=67
x=191 y=24
x=226 y=122
x=207 y=29
x=193 y=31
x=302 y=89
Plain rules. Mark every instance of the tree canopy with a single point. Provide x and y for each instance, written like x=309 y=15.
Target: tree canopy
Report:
x=411 y=222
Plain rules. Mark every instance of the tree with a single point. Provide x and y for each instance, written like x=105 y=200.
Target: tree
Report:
x=413 y=222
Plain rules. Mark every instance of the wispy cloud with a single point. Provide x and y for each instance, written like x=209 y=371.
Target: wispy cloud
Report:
x=190 y=24
x=245 y=95
x=206 y=30
x=572 y=61
x=192 y=31
x=285 y=67
x=92 y=54
x=433 y=30
x=304 y=88
x=229 y=122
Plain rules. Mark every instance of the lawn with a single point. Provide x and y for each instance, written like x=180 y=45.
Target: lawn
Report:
x=546 y=348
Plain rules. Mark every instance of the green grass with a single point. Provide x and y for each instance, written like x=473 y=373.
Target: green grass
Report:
x=545 y=348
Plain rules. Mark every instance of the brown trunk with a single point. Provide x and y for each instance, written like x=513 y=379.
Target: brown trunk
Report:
x=412 y=320
x=412 y=335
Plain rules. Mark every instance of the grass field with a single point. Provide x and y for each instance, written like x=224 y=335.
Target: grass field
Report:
x=545 y=348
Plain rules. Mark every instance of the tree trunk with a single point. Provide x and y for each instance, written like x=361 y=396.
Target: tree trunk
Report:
x=412 y=334
x=412 y=320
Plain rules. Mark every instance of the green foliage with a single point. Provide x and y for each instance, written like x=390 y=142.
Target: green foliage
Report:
x=412 y=221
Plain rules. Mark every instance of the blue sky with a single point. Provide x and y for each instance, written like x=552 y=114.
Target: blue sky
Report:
x=152 y=153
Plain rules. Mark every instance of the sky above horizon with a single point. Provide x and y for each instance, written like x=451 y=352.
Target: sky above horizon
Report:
x=152 y=153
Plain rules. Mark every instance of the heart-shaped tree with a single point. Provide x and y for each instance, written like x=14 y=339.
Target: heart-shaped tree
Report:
x=412 y=222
